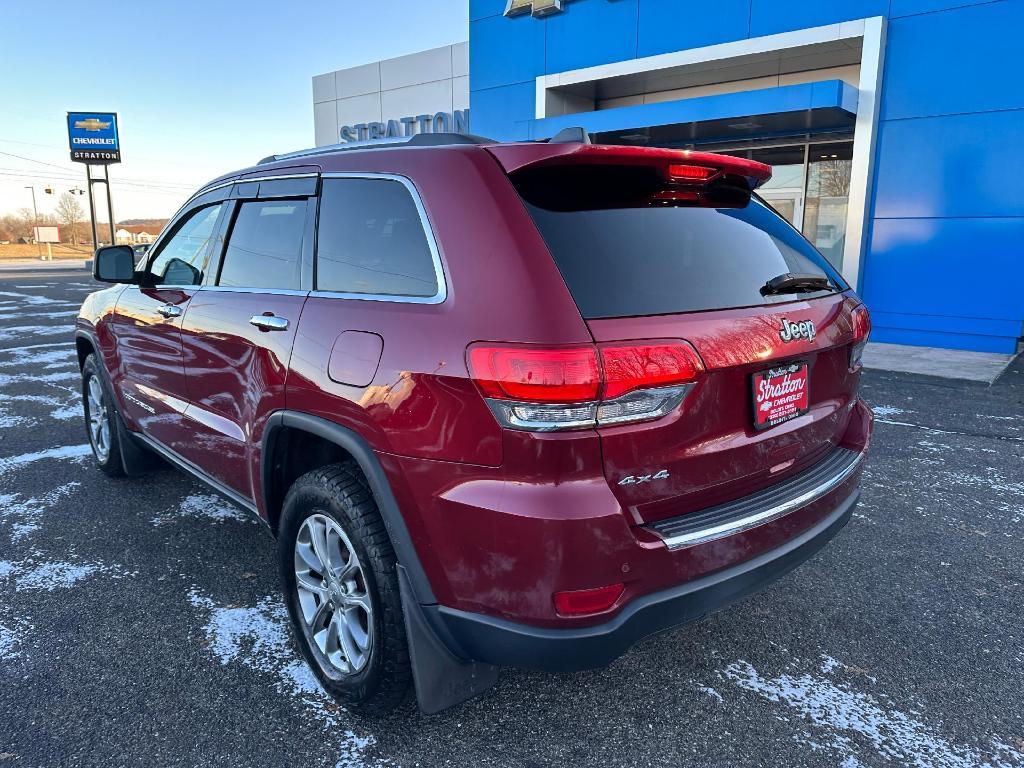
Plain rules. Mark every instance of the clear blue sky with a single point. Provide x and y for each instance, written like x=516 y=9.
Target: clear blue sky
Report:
x=200 y=87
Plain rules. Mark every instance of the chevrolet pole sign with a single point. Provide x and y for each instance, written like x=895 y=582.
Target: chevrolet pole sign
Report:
x=93 y=137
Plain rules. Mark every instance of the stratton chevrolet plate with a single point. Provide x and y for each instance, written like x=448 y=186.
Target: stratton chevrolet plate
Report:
x=780 y=394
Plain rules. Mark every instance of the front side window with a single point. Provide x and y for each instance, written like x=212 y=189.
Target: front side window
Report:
x=264 y=249
x=370 y=240
x=182 y=260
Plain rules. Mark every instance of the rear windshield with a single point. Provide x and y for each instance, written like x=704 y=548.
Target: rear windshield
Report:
x=625 y=258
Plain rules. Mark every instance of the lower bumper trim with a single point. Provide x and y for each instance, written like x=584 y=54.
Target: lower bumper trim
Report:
x=507 y=643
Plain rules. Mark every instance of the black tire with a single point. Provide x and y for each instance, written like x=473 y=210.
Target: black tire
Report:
x=110 y=460
x=340 y=492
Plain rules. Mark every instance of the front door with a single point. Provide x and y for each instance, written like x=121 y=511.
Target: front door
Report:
x=237 y=337
x=147 y=327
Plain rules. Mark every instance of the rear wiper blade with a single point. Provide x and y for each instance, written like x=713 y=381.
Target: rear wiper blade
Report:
x=795 y=283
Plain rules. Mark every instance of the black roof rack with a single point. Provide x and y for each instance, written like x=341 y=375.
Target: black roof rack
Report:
x=417 y=140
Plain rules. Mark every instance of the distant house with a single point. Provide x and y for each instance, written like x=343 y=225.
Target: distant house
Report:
x=135 y=234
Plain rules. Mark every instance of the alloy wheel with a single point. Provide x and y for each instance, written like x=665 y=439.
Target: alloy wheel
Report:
x=333 y=597
x=99 y=424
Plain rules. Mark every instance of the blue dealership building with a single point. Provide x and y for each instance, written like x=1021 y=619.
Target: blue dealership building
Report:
x=895 y=128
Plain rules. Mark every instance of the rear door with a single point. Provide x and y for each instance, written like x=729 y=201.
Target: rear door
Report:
x=694 y=263
x=147 y=323
x=238 y=332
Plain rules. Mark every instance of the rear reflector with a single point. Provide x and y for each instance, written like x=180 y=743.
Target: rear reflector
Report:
x=583 y=601
x=547 y=389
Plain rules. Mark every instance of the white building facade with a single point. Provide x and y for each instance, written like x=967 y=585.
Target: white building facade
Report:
x=424 y=92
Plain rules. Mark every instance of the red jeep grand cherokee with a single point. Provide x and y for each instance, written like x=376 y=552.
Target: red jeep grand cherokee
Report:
x=502 y=404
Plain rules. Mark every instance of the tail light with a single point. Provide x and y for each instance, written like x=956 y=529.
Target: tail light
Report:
x=861 y=331
x=555 y=388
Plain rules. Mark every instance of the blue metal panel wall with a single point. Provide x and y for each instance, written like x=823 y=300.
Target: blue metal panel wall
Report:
x=945 y=264
x=947 y=205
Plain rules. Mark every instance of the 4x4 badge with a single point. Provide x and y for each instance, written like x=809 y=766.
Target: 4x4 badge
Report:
x=661 y=474
x=793 y=331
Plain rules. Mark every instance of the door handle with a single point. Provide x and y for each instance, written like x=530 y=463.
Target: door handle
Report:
x=269 y=322
x=169 y=310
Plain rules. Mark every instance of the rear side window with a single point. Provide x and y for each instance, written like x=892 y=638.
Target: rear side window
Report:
x=265 y=246
x=370 y=240
x=626 y=257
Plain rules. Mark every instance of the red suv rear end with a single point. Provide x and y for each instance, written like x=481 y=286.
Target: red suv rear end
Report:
x=623 y=395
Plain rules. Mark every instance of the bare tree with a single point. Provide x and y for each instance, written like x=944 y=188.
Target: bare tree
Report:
x=69 y=213
x=834 y=177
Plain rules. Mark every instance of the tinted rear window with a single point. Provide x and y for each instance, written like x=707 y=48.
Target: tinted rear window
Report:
x=371 y=240
x=630 y=258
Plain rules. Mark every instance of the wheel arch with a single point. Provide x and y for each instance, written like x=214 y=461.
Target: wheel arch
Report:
x=85 y=345
x=283 y=426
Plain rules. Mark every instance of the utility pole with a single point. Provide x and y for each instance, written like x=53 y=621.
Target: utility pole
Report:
x=35 y=222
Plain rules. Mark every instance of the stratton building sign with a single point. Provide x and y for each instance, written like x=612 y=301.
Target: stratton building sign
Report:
x=439 y=122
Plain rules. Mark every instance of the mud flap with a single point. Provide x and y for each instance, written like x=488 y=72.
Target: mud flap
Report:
x=135 y=458
x=442 y=679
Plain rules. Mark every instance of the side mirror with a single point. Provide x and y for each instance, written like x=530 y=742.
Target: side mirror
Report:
x=114 y=264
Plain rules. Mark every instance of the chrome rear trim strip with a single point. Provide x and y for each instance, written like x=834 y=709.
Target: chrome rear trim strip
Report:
x=780 y=508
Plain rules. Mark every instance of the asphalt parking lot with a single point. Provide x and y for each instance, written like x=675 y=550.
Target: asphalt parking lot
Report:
x=140 y=622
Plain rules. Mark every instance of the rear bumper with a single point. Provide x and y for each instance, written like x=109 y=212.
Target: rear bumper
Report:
x=506 y=643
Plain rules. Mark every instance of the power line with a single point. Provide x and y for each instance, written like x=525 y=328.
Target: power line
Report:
x=24 y=173
x=135 y=187
x=32 y=144
x=68 y=169
x=32 y=160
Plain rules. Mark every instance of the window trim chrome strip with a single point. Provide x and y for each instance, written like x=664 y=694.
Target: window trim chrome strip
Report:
x=435 y=254
x=764 y=517
x=247 y=289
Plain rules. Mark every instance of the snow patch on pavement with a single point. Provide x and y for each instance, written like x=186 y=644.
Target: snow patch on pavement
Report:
x=44 y=355
x=12 y=637
x=204 y=505
x=30 y=299
x=24 y=514
x=65 y=452
x=853 y=720
x=6 y=379
x=258 y=637
x=13 y=332
x=32 y=575
x=885 y=411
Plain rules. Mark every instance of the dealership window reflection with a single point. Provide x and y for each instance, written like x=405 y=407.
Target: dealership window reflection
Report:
x=828 y=197
x=810 y=188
